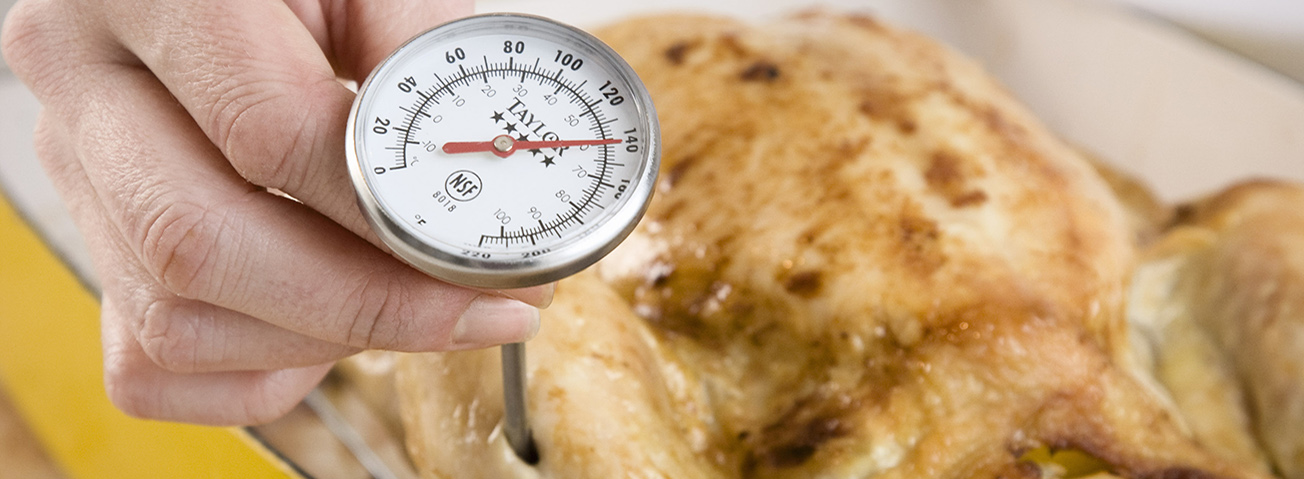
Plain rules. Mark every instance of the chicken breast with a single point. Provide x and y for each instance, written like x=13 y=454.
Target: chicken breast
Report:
x=864 y=259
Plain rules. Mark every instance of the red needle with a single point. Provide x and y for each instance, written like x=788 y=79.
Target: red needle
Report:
x=504 y=145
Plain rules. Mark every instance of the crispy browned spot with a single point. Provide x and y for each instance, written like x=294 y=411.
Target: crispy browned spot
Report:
x=943 y=171
x=804 y=284
x=917 y=231
x=874 y=105
x=662 y=276
x=1184 y=213
x=805 y=444
x=879 y=102
x=997 y=122
x=945 y=175
x=797 y=435
x=676 y=172
x=906 y=125
x=761 y=70
x=919 y=237
x=677 y=51
x=868 y=107
x=733 y=44
x=972 y=198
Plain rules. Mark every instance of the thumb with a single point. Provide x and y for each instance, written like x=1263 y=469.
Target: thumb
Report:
x=362 y=33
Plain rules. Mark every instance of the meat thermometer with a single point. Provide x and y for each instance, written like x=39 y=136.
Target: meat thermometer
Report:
x=503 y=151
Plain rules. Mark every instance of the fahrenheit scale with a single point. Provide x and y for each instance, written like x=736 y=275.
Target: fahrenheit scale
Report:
x=503 y=151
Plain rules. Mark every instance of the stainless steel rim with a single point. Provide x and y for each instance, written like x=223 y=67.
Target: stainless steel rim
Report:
x=571 y=257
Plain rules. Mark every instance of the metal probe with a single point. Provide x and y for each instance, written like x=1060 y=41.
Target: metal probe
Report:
x=516 y=424
x=350 y=437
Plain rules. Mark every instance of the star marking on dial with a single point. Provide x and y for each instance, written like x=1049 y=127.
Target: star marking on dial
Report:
x=510 y=128
x=535 y=152
x=522 y=137
x=498 y=116
x=547 y=161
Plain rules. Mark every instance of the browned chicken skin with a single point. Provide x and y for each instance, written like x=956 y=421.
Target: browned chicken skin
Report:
x=1220 y=304
x=864 y=259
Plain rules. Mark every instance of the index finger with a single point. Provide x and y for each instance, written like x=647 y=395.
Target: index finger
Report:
x=374 y=29
x=257 y=81
x=204 y=235
x=261 y=88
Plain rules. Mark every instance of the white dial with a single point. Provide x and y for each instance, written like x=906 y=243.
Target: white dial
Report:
x=503 y=150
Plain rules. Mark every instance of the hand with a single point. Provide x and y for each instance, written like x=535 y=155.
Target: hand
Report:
x=165 y=125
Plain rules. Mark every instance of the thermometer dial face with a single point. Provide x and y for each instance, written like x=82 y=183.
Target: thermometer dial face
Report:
x=503 y=151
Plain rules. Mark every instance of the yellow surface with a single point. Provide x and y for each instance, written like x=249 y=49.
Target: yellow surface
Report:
x=50 y=362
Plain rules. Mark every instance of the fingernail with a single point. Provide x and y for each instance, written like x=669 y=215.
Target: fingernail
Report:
x=538 y=296
x=492 y=320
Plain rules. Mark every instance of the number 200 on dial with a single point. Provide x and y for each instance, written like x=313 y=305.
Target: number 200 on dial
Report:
x=503 y=150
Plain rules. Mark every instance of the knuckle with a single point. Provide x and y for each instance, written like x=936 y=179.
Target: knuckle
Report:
x=26 y=32
x=378 y=313
x=181 y=246
x=136 y=387
x=169 y=339
x=128 y=398
x=127 y=387
x=261 y=129
x=49 y=44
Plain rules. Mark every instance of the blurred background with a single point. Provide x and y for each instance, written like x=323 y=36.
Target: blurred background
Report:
x=1268 y=31
x=21 y=456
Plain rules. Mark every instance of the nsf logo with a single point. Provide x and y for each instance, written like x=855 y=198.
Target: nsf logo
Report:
x=463 y=185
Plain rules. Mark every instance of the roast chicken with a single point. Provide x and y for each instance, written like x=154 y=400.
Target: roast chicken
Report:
x=1218 y=306
x=866 y=260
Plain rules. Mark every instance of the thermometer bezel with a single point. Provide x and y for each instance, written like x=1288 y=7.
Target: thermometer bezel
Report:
x=505 y=271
